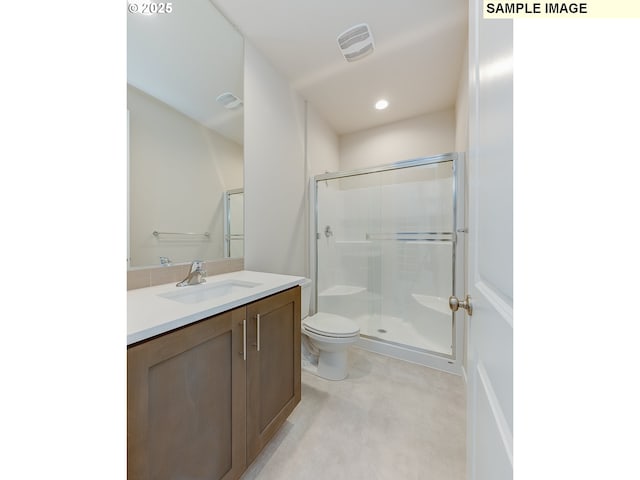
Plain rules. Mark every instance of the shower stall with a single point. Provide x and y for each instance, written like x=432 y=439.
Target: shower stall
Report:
x=389 y=243
x=234 y=223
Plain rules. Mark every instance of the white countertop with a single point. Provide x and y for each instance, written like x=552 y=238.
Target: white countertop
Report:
x=150 y=314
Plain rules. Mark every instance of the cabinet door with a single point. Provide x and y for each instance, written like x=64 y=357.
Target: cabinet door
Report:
x=273 y=368
x=186 y=402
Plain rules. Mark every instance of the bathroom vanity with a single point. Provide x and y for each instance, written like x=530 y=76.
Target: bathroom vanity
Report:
x=214 y=378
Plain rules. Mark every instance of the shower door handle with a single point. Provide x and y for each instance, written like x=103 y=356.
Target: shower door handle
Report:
x=454 y=304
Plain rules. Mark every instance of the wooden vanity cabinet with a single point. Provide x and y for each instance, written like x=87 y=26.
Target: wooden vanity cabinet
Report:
x=273 y=367
x=196 y=408
x=186 y=402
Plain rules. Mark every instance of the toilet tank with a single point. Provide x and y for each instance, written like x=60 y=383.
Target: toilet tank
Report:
x=306 y=297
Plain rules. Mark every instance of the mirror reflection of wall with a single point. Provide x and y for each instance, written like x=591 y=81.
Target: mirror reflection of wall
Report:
x=185 y=145
x=178 y=173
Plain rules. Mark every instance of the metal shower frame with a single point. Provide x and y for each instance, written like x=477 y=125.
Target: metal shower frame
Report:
x=452 y=362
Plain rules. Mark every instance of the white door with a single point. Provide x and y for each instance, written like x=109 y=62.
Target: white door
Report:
x=490 y=268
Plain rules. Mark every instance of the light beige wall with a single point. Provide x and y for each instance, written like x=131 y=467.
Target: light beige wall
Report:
x=323 y=145
x=178 y=173
x=286 y=144
x=462 y=107
x=416 y=137
x=274 y=170
x=323 y=155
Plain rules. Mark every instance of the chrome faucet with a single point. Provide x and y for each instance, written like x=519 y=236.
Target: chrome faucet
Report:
x=196 y=275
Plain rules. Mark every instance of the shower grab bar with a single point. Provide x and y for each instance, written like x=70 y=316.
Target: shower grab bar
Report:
x=412 y=236
x=443 y=240
x=157 y=233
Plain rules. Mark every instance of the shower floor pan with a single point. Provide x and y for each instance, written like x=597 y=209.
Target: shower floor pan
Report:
x=401 y=333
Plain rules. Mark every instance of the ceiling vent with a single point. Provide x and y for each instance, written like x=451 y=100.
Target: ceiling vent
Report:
x=229 y=100
x=356 y=42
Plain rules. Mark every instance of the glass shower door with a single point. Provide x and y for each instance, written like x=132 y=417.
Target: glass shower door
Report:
x=234 y=223
x=416 y=272
x=386 y=253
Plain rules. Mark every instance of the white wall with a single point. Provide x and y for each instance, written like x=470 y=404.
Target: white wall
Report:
x=323 y=155
x=178 y=173
x=462 y=107
x=274 y=170
x=416 y=137
x=323 y=145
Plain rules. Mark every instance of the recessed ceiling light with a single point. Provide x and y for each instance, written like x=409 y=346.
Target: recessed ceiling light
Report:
x=381 y=104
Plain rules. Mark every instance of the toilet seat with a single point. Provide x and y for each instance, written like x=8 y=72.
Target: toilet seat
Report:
x=330 y=325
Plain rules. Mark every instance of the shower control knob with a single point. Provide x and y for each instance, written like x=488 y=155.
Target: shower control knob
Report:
x=454 y=304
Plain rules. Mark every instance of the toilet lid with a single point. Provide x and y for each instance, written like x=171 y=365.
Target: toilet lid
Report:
x=331 y=325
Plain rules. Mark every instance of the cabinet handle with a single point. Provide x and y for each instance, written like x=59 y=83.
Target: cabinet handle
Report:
x=244 y=339
x=258 y=322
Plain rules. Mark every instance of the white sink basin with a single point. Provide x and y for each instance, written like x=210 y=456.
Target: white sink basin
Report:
x=208 y=291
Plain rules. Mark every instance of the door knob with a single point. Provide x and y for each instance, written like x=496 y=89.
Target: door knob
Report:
x=454 y=304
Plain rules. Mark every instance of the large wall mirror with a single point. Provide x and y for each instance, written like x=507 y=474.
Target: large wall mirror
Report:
x=184 y=100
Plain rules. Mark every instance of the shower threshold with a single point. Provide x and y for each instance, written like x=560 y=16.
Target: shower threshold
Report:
x=401 y=340
x=397 y=331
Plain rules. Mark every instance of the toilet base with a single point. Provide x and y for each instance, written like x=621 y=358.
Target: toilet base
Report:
x=331 y=368
x=331 y=353
x=333 y=365
x=309 y=357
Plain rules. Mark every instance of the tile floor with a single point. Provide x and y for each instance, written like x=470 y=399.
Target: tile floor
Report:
x=388 y=420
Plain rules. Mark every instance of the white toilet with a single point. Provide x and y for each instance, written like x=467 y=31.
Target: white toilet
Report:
x=326 y=339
